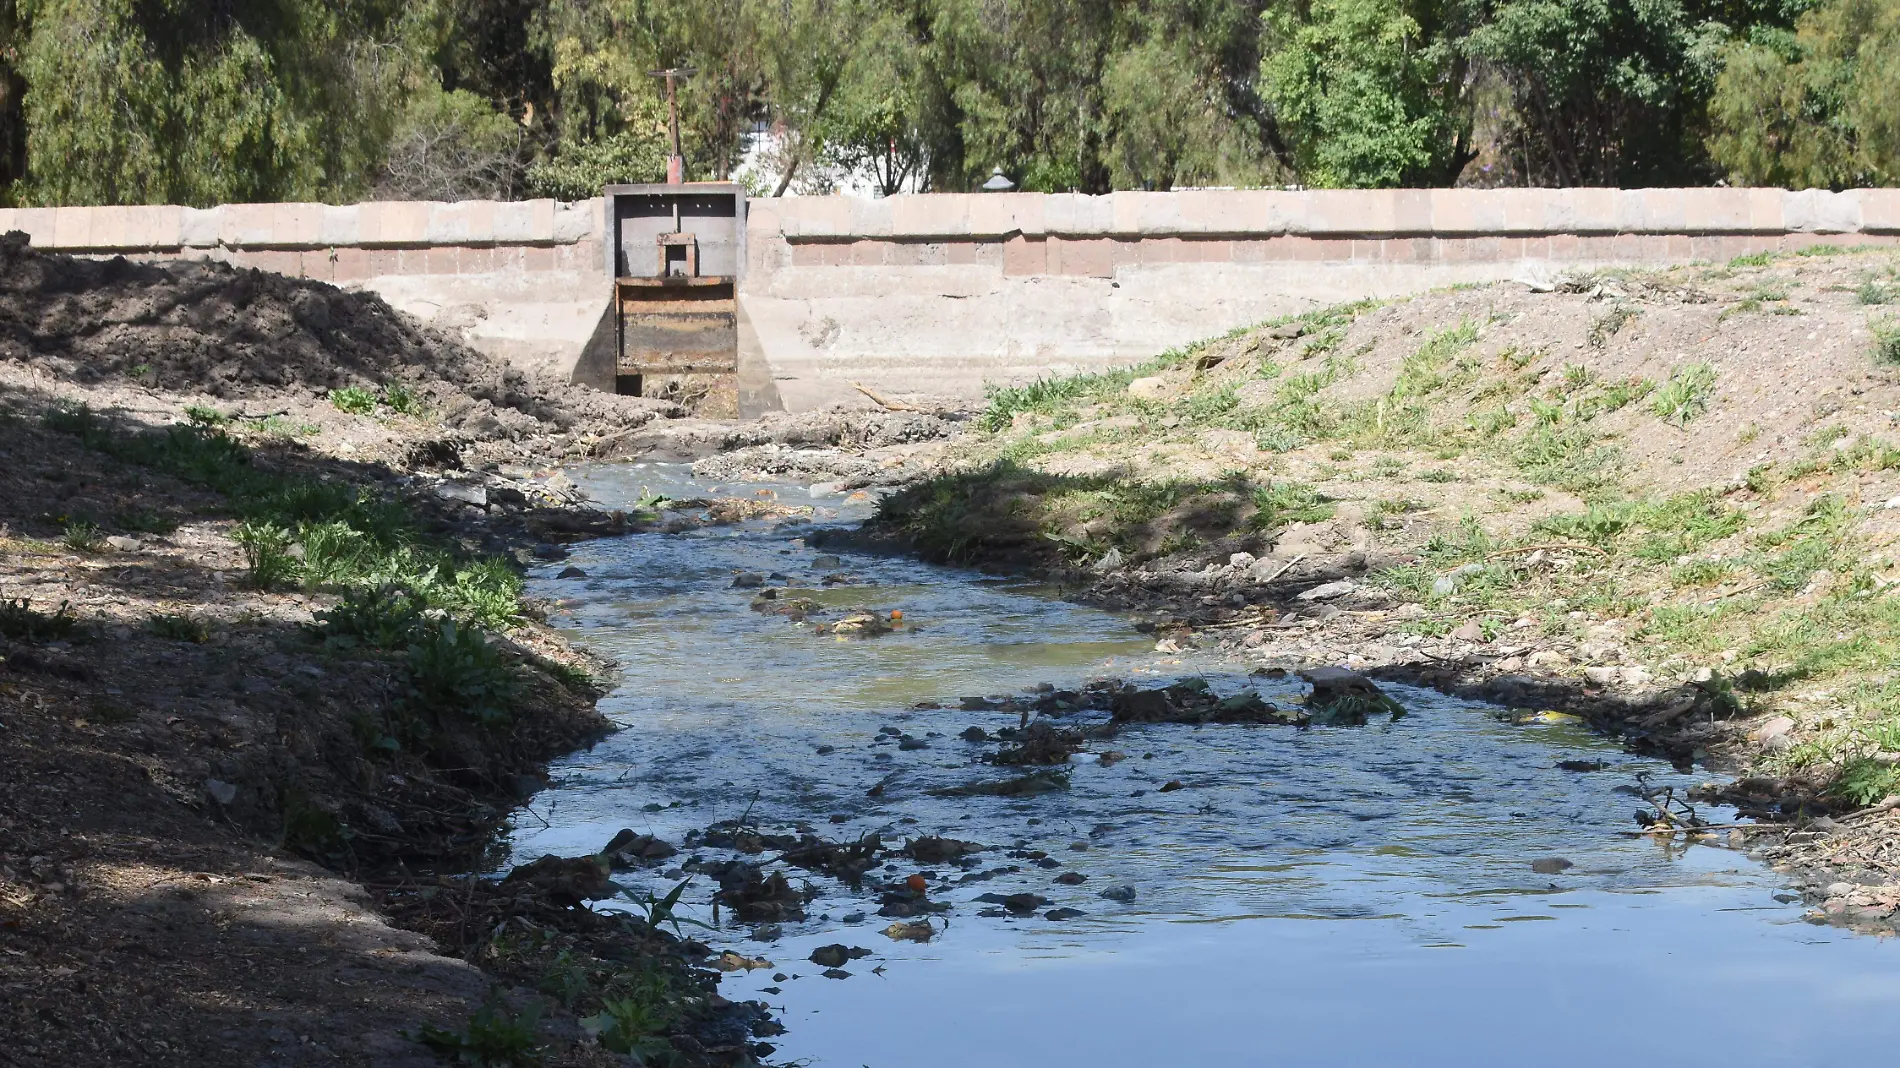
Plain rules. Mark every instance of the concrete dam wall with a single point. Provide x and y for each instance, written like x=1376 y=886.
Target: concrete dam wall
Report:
x=932 y=295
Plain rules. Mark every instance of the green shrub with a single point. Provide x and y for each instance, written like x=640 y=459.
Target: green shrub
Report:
x=1866 y=781
x=1887 y=343
x=199 y=415
x=353 y=399
x=381 y=618
x=402 y=400
x=454 y=670
x=83 y=536
x=495 y=1038
x=266 y=553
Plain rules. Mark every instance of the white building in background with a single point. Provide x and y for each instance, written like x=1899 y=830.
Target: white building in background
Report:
x=761 y=167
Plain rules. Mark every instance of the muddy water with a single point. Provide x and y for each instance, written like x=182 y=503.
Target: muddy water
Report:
x=1333 y=896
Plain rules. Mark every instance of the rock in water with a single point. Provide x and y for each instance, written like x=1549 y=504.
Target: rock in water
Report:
x=565 y=881
x=1341 y=695
x=833 y=956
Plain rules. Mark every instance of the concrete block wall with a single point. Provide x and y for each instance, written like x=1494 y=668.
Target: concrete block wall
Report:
x=935 y=294
x=939 y=293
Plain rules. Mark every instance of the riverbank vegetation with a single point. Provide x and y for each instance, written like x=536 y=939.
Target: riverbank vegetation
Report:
x=157 y=101
x=1681 y=474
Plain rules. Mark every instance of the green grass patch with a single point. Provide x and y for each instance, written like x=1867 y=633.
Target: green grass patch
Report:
x=1686 y=394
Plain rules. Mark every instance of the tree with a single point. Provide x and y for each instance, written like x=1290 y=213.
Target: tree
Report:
x=12 y=100
x=1819 y=107
x=171 y=101
x=1368 y=92
x=1603 y=92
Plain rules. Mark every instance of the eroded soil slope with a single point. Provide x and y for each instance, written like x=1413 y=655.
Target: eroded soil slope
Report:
x=267 y=679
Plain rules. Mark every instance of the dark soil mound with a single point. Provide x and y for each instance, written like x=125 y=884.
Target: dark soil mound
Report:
x=199 y=326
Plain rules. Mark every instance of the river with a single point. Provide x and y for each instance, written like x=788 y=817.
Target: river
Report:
x=1323 y=896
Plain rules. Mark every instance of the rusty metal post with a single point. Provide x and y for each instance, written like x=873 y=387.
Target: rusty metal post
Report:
x=675 y=163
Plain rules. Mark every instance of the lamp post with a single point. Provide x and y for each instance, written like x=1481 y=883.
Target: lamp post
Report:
x=998 y=182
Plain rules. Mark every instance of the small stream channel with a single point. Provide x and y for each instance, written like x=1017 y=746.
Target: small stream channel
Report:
x=1330 y=896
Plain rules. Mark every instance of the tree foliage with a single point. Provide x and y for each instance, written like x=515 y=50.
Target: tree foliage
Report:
x=1820 y=107
x=1369 y=92
x=143 y=101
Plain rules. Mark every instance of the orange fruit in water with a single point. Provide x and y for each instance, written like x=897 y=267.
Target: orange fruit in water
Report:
x=917 y=883
x=897 y=613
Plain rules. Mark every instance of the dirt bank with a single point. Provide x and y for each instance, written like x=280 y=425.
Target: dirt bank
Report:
x=267 y=681
x=1665 y=500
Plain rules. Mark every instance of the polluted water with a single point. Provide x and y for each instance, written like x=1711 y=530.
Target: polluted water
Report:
x=1432 y=888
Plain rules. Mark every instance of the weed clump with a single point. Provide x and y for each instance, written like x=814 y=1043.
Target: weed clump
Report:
x=1686 y=394
x=354 y=400
x=19 y=622
x=179 y=627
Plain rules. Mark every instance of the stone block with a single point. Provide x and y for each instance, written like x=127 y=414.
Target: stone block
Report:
x=246 y=225
x=579 y=221
x=1023 y=256
x=397 y=223
x=349 y=265
x=525 y=222
x=1002 y=214
x=1525 y=211
x=475 y=259
x=866 y=253
x=1578 y=211
x=338 y=225
x=1254 y=248
x=871 y=218
x=816 y=217
x=1879 y=210
x=72 y=228
x=1655 y=211
x=928 y=215
x=1092 y=257
x=36 y=223
x=1455 y=211
x=1359 y=212
x=152 y=226
x=466 y=222
x=1818 y=211
x=106 y=229
x=960 y=253
x=297 y=226
x=914 y=254
x=1079 y=214
x=200 y=227
x=276 y=261
x=1411 y=212
x=1717 y=211
x=1211 y=250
